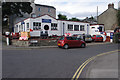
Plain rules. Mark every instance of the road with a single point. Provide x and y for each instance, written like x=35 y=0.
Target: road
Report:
x=50 y=62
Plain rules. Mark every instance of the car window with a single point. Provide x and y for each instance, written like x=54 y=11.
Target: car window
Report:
x=61 y=38
x=69 y=38
x=93 y=36
x=74 y=38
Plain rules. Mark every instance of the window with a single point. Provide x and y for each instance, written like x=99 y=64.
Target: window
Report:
x=16 y=26
x=82 y=28
x=92 y=27
x=36 y=25
x=100 y=29
x=76 y=27
x=27 y=26
x=39 y=9
x=54 y=26
x=70 y=27
x=49 y=10
x=21 y=27
x=39 y=15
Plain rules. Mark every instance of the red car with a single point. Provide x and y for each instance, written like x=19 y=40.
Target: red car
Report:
x=66 y=42
x=97 y=38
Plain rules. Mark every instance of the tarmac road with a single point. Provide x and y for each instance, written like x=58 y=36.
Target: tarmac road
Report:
x=48 y=62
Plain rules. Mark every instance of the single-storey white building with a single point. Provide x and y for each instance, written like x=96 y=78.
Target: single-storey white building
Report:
x=51 y=26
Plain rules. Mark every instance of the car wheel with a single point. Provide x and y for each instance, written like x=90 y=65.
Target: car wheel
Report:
x=66 y=46
x=83 y=45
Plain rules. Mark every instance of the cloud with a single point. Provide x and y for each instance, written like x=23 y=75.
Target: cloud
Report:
x=78 y=8
x=78 y=15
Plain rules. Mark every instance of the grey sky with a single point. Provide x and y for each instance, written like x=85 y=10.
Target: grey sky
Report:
x=79 y=8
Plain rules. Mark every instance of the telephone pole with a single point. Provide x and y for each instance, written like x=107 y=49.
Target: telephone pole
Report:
x=97 y=14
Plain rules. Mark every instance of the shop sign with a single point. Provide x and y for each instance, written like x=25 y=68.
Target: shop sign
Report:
x=46 y=20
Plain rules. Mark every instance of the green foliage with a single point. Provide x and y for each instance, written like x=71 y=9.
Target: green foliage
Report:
x=62 y=17
x=74 y=19
x=15 y=8
x=118 y=17
x=116 y=38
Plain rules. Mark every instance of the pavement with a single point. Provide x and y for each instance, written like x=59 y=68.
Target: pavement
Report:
x=4 y=46
x=105 y=66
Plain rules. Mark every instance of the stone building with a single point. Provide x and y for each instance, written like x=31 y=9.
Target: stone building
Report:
x=109 y=18
x=39 y=10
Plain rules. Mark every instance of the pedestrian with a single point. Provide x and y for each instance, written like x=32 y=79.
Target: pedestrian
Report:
x=83 y=37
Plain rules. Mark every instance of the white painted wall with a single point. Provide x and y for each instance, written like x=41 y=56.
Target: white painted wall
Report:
x=58 y=32
x=95 y=31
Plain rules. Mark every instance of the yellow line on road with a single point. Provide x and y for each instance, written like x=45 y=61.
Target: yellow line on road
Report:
x=80 y=69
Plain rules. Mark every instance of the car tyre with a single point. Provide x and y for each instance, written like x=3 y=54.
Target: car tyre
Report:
x=83 y=45
x=66 y=46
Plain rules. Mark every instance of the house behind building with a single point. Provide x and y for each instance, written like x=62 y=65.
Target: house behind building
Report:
x=109 y=18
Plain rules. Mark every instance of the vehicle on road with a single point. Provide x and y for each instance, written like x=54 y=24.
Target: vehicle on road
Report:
x=97 y=38
x=70 y=41
x=88 y=38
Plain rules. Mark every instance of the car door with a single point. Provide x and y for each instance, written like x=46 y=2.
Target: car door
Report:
x=76 y=41
x=69 y=41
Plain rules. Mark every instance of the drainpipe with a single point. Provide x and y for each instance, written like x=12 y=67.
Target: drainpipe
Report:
x=63 y=28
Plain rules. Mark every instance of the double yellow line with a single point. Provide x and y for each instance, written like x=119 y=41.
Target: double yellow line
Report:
x=80 y=69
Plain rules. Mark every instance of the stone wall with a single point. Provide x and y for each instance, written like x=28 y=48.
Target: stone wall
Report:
x=20 y=43
x=108 y=18
x=38 y=43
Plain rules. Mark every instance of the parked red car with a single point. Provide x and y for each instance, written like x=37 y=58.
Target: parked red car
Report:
x=66 y=42
x=97 y=38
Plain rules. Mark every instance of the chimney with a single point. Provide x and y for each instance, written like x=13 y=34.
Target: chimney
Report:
x=110 y=5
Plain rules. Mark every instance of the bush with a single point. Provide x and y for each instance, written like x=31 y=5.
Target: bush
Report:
x=116 y=38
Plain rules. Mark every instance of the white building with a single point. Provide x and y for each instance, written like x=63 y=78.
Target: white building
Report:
x=50 y=25
x=96 y=29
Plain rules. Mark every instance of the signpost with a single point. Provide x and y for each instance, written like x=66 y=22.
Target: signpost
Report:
x=111 y=36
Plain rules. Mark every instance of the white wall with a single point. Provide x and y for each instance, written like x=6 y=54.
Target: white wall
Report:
x=95 y=31
x=58 y=32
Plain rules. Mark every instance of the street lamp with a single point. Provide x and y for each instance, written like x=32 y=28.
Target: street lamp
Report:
x=7 y=18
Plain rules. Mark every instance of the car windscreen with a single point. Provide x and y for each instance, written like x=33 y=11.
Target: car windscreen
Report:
x=98 y=36
x=88 y=36
x=61 y=38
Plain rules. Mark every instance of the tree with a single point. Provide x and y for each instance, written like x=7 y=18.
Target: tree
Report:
x=74 y=19
x=62 y=17
x=118 y=18
x=14 y=8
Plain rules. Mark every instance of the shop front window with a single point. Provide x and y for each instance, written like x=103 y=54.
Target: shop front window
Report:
x=76 y=27
x=54 y=26
x=36 y=25
x=82 y=28
x=70 y=27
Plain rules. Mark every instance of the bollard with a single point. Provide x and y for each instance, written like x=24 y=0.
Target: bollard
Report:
x=7 y=38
